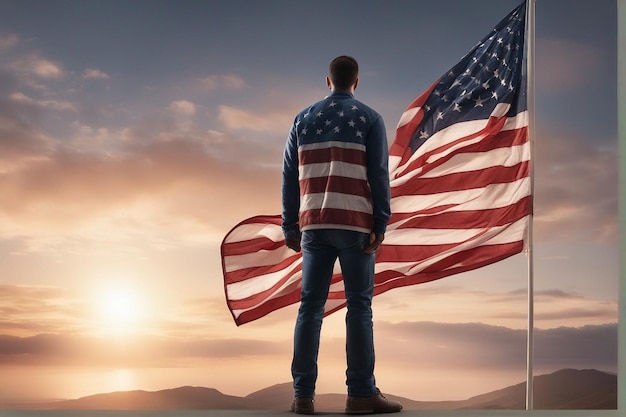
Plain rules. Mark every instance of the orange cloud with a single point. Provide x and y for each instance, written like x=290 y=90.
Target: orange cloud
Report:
x=94 y=73
x=563 y=64
x=229 y=81
x=576 y=186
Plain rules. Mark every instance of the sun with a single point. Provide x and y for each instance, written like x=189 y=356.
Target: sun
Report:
x=120 y=307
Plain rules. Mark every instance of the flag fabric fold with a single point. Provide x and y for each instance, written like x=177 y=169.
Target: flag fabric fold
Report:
x=459 y=171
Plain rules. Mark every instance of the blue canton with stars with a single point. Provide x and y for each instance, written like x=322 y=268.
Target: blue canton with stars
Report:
x=338 y=117
x=491 y=73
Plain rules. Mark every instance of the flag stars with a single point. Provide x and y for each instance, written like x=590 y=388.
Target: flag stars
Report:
x=363 y=119
x=479 y=102
x=494 y=95
x=327 y=122
x=332 y=104
x=359 y=134
x=424 y=134
x=457 y=107
x=440 y=115
x=351 y=123
x=354 y=107
x=337 y=129
x=304 y=131
x=319 y=114
x=318 y=131
x=340 y=113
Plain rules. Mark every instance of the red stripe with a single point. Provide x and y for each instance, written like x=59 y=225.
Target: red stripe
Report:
x=400 y=146
x=266 y=308
x=332 y=153
x=336 y=216
x=471 y=219
x=252 y=245
x=243 y=274
x=260 y=297
x=459 y=181
x=494 y=139
x=334 y=184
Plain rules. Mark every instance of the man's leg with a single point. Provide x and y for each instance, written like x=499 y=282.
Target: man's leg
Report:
x=358 y=275
x=318 y=259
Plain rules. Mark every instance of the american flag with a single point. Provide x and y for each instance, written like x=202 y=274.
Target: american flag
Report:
x=460 y=187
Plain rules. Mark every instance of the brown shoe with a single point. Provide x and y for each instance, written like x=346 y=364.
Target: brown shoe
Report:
x=372 y=405
x=303 y=406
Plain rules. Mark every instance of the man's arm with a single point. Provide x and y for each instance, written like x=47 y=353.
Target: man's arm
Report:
x=291 y=192
x=378 y=177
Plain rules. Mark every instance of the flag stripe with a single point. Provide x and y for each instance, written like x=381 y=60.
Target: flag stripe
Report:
x=322 y=155
x=358 y=187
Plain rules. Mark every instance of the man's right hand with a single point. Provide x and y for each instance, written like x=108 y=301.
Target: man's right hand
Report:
x=293 y=244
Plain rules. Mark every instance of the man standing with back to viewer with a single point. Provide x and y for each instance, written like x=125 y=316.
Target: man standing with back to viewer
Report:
x=335 y=194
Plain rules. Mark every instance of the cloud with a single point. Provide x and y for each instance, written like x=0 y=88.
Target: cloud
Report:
x=27 y=310
x=92 y=73
x=240 y=119
x=8 y=41
x=45 y=104
x=183 y=107
x=228 y=81
x=33 y=64
x=133 y=179
x=562 y=65
x=466 y=346
x=576 y=186
x=446 y=347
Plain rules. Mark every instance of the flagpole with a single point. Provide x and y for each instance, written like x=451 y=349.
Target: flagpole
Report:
x=530 y=74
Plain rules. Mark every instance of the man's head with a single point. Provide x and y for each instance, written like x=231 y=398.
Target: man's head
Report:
x=343 y=74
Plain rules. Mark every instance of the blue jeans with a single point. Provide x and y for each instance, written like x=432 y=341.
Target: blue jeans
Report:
x=320 y=250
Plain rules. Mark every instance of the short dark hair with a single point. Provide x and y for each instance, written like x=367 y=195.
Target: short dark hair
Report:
x=343 y=71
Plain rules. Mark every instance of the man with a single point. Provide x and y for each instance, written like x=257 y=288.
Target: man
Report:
x=335 y=192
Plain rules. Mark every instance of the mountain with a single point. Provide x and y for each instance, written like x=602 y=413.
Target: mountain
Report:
x=567 y=389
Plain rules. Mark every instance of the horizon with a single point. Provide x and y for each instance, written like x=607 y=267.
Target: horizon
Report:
x=38 y=403
x=126 y=156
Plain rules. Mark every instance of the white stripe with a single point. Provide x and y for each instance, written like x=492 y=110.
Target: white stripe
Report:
x=459 y=130
x=477 y=161
x=419 y=236
x=252 y=230
x=473 y=161
x=257 y=259
x=331 y=144
x=243 y=289
x=335 y=169
x=491 y=196
x=407 y=116
x=335 y=201
x=497 y=235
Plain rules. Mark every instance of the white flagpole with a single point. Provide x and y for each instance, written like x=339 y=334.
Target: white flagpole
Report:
x=530 y=77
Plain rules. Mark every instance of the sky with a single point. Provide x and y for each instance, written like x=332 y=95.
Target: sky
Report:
x=135 y=135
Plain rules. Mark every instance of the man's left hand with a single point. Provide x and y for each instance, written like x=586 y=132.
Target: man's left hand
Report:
x=293 y=244
x=376 y=239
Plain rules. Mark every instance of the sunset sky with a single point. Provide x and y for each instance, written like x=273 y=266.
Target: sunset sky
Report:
x=135 y=134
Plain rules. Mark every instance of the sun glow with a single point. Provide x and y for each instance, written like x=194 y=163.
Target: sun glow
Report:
x=119 y=308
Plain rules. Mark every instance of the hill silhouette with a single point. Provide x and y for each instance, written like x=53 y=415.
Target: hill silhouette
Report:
x=567 y=389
